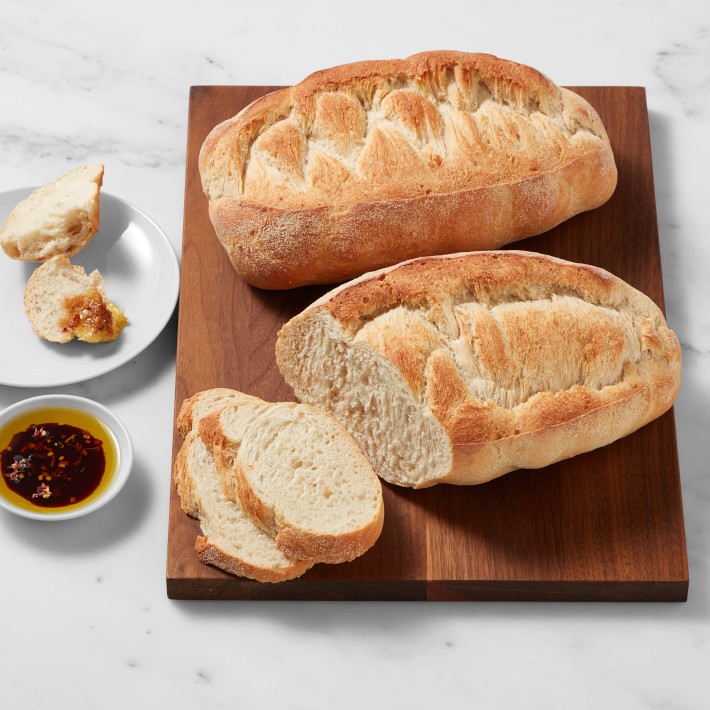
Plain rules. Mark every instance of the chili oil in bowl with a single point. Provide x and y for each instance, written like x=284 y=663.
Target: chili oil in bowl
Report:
x=61 y=457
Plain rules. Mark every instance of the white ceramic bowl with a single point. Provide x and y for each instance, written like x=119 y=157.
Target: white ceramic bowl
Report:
x=124 y=450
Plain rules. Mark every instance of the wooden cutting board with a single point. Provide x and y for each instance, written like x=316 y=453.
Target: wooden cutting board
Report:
x=607 y=525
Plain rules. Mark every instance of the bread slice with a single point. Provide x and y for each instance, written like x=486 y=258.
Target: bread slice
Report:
x=202 y=404
x=230 y=540
x=63 y=302
x=57 y=219
x=299 y=475
x=458 y=369
x=367 y=164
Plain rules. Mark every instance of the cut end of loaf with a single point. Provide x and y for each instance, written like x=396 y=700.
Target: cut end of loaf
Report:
x=60 y=218
x=405 y=445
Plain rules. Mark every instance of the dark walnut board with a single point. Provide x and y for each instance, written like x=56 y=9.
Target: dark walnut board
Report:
x=607 y=525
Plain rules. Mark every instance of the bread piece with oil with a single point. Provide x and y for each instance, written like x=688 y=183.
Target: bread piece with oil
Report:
x=367 y=164
x=461 y=368
x=63 y=302
x=60 y=218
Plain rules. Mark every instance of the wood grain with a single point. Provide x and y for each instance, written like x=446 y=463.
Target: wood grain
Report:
x=607 y=525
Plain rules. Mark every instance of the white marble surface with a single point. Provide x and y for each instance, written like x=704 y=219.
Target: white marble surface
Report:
x=85 y=618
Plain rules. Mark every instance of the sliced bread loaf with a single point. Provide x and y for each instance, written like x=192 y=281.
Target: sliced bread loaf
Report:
x=63 y=302
x=461 y=368
x=57 y=219
x=300 y=475
x=230 y=540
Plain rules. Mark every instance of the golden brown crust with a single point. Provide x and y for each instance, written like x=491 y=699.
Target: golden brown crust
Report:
x=523 y=359
x=488 y=276
x=184 y=421
x=302 y=544
x=183 y=483
x=330 y=549
x=366 y=164
x=210 y=431
x=210 y=554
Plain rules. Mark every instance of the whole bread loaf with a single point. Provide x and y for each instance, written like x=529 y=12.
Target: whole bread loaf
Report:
x=367 y=164
x=462 y=368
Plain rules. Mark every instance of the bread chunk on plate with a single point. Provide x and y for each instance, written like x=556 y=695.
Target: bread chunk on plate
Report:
x=58 y=219
x=63 y=302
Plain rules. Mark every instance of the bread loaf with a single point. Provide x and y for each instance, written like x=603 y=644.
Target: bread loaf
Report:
x=299 y=475
x=371 y=163
x=462 y=368
x=57 y=219
x=63 y=302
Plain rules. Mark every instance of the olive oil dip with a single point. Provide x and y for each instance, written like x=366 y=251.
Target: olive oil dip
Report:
x=56 y=458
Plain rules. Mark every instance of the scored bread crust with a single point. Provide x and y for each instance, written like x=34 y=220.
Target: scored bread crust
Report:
x=367 y=164
x=512 y=359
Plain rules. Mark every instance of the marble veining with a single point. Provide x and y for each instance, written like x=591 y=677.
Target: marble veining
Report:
x=683 y=67
x=86 y=622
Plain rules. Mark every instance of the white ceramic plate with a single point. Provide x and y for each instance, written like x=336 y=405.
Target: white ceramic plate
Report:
x=141 y=275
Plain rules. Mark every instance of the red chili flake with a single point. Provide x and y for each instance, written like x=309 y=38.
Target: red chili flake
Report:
x=20 y=463
x=43 y=491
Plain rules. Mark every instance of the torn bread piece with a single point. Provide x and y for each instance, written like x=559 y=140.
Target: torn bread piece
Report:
x=63 y=302
x=58 y=219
